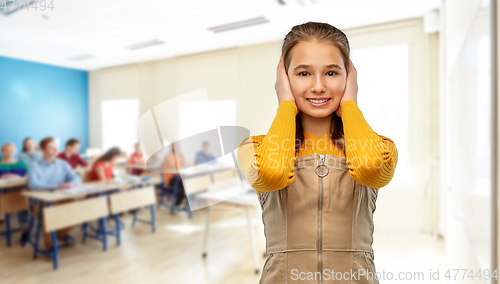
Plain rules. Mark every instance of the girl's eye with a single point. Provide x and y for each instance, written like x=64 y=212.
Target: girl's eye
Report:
x=331 y=73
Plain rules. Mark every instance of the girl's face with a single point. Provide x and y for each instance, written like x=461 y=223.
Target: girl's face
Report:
x=317 y=77
x=8 y=152
x=30 y=145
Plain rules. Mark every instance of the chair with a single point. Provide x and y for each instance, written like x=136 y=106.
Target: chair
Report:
x=70 y=214
x=133 y=199
x=170 y=191
x=11 y=203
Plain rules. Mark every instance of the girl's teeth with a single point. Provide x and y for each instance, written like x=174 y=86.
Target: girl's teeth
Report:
x=318 y=101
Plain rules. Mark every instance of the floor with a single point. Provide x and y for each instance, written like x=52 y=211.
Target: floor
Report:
x=173 y=253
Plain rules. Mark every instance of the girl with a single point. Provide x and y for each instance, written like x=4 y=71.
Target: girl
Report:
x=318 y=170
x=102 y=169
x=172 y=163
x=30 y=151
x=9 y=167
x=136 y=159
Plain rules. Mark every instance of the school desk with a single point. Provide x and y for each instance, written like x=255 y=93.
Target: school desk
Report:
x=11 y=202
x=12 y=183
x=75 y=194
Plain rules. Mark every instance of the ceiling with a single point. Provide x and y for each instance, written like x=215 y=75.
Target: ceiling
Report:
x=94 y=34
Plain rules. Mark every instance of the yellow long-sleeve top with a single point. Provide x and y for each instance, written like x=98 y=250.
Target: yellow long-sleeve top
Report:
x=267 y=161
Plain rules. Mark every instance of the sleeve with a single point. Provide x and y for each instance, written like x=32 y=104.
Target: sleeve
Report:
x=36 y=180
x=82 y=161
x=197 y=159
x=70 y=175
x=267 y=161
x=23 y=168
x=372 y=158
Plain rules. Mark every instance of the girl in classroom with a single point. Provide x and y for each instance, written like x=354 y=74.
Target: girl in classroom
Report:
x=318 y=170
x=102 y=169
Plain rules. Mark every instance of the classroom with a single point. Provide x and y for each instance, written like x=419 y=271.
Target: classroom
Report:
x=222 y=142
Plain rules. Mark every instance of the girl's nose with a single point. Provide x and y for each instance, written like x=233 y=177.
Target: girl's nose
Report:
x=318 y=86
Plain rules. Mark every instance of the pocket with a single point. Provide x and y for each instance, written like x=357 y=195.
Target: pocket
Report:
x=266 y=267
x=370 y=265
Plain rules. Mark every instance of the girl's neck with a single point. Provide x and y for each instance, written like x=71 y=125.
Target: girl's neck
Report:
x=316 y=125
x=7 y=161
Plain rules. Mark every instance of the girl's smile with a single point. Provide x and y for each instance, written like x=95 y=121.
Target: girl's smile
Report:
x=319 y=102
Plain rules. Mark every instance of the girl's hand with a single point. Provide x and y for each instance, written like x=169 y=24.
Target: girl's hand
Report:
x=351 y=88
x=282 y=85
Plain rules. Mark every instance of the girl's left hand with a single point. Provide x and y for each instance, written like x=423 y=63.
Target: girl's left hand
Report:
x=351 y=88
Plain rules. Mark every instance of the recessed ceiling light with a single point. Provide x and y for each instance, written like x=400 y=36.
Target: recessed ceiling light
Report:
x=81 y=57
x=238 y=25
x=144 y=44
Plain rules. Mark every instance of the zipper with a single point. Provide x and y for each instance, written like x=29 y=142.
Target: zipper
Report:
x=321 y=165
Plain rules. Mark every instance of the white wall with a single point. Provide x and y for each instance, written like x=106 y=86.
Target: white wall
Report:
x=466 y=247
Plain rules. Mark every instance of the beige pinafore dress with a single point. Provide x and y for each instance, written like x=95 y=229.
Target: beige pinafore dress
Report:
x=319 y=229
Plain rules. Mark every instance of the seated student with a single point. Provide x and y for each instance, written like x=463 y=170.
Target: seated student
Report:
x=30 y=151
x=51 y=173
x=204 y=156
x=10 y=168
x=136 y=159
x=102 y=169
x=70 y=154
x=172 y=164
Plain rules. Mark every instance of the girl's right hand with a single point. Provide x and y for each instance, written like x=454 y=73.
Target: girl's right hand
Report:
x=282 y=86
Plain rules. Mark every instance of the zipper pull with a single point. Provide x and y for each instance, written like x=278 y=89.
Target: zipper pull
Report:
x=322 y=163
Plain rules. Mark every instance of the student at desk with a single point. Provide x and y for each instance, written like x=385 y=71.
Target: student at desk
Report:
x=71 y=155
x=172 y=164
x=102 y=169
x=204 y=156
x=136 y=159
x=30 y=151
x=51 y=173
x=10 y=168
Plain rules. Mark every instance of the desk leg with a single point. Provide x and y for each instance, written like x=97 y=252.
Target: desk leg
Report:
x=8 y=232
x=153 y=218
x=207 y=229
x=55 y=255
x=117 y=221
x=104 y=234
x=252 y=240
x=32 y=221
x=38 y=227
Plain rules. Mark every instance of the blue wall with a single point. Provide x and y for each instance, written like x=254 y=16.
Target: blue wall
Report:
x=40 y=100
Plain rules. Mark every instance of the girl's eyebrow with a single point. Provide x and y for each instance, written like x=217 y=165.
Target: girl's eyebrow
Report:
x=305 y=66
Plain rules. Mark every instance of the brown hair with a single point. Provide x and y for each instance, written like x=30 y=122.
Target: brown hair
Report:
x=321 y=32
x=72 y=142
x=115 y=151
x=24 y=143
x=46 y=141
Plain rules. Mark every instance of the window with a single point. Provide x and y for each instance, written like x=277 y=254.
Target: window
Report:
x=119 y=124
